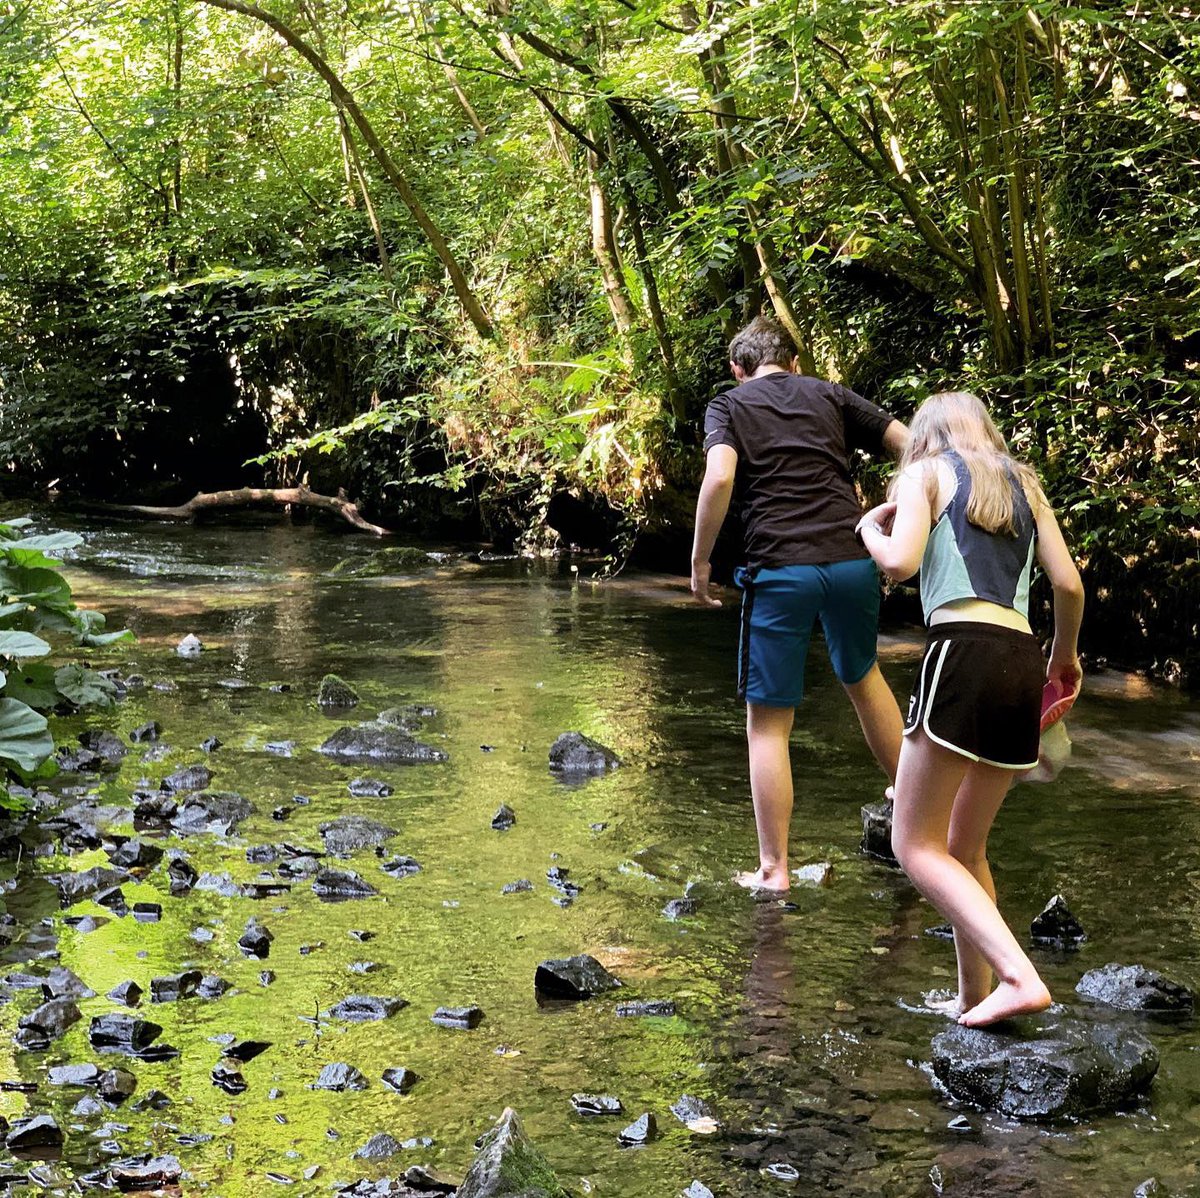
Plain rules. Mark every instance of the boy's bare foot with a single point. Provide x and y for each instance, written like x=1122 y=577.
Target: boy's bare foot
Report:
x=1007 y=1001
x=763 y=879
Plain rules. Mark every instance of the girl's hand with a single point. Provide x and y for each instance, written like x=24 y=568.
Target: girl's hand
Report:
x=1065 y=672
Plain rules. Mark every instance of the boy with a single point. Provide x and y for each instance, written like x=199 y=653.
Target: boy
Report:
x=785 y=439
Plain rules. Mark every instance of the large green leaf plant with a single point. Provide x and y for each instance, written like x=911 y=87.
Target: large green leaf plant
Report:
x=37 y=612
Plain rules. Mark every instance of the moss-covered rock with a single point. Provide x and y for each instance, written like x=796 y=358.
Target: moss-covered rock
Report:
x=333 y=692
x=508 y=1165
x=396 y=559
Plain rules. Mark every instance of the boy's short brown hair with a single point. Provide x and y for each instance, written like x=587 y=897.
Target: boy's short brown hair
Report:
x=762 y=342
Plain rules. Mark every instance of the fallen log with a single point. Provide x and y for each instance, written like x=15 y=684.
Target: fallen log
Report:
x=204 y=501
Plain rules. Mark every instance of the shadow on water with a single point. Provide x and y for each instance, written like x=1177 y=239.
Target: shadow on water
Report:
x=792 y=1020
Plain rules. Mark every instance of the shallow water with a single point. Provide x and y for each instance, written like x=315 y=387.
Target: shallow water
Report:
x=792 y=1022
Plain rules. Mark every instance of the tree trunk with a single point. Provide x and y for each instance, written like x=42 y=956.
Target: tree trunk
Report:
x=300 y=496
x=345 y=99
x=604 y=247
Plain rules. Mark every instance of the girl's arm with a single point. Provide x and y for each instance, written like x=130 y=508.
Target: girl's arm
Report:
x=898 y=551
x=1055 y=558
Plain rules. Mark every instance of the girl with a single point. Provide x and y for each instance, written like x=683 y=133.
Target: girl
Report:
x=971 y=519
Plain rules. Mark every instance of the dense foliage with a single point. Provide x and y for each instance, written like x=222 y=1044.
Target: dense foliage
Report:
x=36 y=604
x=465 y=257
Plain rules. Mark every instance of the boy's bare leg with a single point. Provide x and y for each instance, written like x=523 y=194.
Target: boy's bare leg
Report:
x=879 y=716
x=767 y=732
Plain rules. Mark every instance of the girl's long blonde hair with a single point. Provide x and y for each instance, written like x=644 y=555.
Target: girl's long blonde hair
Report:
x=957 y=420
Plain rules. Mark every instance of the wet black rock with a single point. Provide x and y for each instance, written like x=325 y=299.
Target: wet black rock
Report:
x=596 y=1104
x=212 y=986
x=153 y=808
x=132 y=853
x=941 y=931
x=190 y=646
x=37 y=1131
x=373 y=742
x=146 y=733
x=152 y=1100
x=341 y=884
x=1056 y=927
x=694 y=1113
x=122 y=1033
x=697 y=1190
x=333 y=692
x=228 y=1077
x=401 y=867
x=262 y=854
x=577 y=978
x=79 y=761
x=116 y=1085
x=520 y=886
x=222 y=884
x=246 y=1050
x=366 y=1008
x=47 y=1023
x=113 y=899
x=129 y=993
x=351 y=833
x=641 y=1131
x=877 y=831
x=557 y=876
x=504 y=818
x=73 y=1075
x=175 y=986
x=73 y=888
x=680 y=908
x=463 y=1018
x=1049 y=1068
x=210 y=744
x=145 y=1173
x=61 y=982
x=369 y=788
x=108 y=744
x=400 y=1079
x=181 y=875
x=147 y=912
x=219 y=812
x=1136 y=988
x=255 y=941
x=661 y=1008
x=280 y=748
x=378 y=1148
x=339 y=1077
x=191 y=777
x=574 y=754
x=266 y=977
x=508 y=1165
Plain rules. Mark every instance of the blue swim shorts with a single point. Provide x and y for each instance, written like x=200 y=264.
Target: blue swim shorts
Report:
x=779 y=607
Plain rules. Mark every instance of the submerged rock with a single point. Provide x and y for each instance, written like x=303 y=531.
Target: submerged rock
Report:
x=1056 y=927
x=504 y=818
x=145 y=1173
x=507 y=1165
x=641 y=1131
x=596 y=1104
x=191 y=777
x=401 y=867
x=175 y=986
x=122 y=1033
x=366 y=1008
x=256 y=940
x=378 y=1148
x=108 y=744
x=369 y=788
x=61 y=982
x=373 y=742
x=73 y=1075
x=520 y=886
x=340 y=1077
x=181 y=875
x=132 y=853
x=462 y=1018
x=219 y=812
x=662 y=1008
x=48 y=1022
x=697 y=1190
x=877 y=831
x=680 y=908
x=574 y=754
x=146 y=733
x=37 y=1131
x=400 y=1079
x=116 y=1085
x=1136 y=988
x=129 y=993
x=74 y=887
x=695 y=1114
x=818 y=874
x=576 y=978
x=1057 y=1069
x=190 y=646
x=333 y=692
x=351 y=833
x=341 y=884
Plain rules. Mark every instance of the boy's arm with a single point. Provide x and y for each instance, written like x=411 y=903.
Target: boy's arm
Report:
x=711 y=509
x=895 y=438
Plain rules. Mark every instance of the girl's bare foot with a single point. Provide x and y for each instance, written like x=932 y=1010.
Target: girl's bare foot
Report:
x=1007 y=1001
x=764 y=879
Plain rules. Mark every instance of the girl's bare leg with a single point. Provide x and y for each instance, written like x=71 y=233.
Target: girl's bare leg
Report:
x=927 y=786
x=767 y=731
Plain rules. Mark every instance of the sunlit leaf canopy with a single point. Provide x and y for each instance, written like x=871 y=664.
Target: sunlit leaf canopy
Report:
x=464 y=255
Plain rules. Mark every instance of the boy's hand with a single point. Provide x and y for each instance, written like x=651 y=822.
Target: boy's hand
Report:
x=701 y=574
x=882 y=514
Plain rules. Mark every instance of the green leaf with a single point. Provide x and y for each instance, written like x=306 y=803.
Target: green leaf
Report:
x=33 y=685
x=22 y=644
x=52 y=542
x=25 y=740
x=84 y=687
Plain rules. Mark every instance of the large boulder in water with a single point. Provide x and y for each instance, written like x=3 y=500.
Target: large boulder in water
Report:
x=1136 y=988
x=349 y=833
x=575 y=755
x=877 y=831
x=373 y=742
x=574 y=978
x=1059 y=1068
x=508 y=1165
x=213 y=811
x=334 y=692
x=1055 y=926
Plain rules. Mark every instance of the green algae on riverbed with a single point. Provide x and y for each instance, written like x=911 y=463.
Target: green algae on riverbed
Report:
x=787 y=1022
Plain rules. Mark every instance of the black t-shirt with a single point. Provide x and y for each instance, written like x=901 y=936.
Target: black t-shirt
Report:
x=793 y=436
